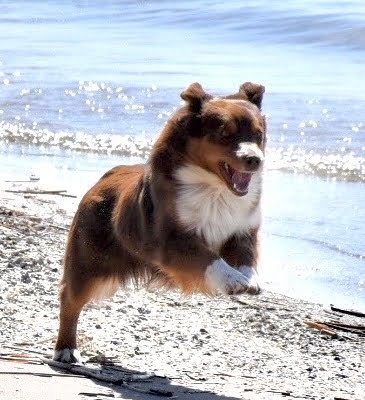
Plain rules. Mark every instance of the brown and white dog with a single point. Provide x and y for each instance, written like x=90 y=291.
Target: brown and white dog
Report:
x=187 y=219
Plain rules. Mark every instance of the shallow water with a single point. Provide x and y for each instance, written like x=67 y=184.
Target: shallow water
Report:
x=84 y=87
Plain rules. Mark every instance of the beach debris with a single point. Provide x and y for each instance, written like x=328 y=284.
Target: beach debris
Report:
x=358 y=329
x=62 y=193
x=19 y=181
x=106 y=371
x=109 y=374
x=323 y=328
x=32 y=178
x=348 y=312
x=329 y=328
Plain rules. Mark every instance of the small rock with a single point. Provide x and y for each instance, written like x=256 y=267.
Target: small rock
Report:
x=26 y=278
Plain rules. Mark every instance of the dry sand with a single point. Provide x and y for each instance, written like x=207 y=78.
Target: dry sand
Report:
x=222 y=348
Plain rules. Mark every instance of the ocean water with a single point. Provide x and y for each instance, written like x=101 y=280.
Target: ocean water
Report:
x=88 y=85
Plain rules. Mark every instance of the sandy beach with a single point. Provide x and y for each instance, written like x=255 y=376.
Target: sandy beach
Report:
x=240 y=347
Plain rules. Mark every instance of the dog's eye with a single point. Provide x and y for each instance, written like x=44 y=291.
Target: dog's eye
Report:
x=223 y=131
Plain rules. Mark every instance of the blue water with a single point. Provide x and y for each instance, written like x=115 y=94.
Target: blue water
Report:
x=84 y=85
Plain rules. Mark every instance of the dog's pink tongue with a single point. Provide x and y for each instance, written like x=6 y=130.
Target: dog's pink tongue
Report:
x=240 y=181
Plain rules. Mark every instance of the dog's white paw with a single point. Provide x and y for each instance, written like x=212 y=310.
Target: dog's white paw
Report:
x=69 y=356
x=252 y=277
x=221 y=278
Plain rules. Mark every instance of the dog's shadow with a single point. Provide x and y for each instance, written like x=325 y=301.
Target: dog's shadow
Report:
x=116 y=381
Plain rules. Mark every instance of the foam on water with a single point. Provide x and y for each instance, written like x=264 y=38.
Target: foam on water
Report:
x=340 y=166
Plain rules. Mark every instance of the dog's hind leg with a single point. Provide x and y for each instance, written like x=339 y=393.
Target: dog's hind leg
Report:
x=72 y=300
x=71 y=304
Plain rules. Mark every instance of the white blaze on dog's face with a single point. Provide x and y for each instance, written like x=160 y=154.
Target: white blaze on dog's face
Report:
x=232 y=137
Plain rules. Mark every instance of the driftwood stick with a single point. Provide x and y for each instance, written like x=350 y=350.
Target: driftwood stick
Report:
x=82 y=370
x=98 y=375
x=199 y=378
x=360 y=332
x=52 y=192
x=17 y=355
x=321 y=327
x=43 y=374
x=350 y=326
x=348 y=312
x=29 y=191
x=131 y=377
x=20 y=359
x=61 y=193
x=68 y=195
x=29 y=181
x=62 y=228
x=24 y=349
x=243 y=302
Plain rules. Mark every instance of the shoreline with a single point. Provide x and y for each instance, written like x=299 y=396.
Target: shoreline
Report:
x=220 y=341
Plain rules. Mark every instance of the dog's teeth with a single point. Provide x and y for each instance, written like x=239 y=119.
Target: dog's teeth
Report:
x=226 y=167
x=237 y=188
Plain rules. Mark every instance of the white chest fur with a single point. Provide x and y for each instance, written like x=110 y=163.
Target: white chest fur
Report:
x=205 y=205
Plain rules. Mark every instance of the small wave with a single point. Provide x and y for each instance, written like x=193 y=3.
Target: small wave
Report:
x=340 y=166
x=337 y=165
x=99 y=144
x=323 y=243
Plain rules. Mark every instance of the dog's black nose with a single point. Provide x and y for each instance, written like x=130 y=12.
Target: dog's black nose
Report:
x=252 y=162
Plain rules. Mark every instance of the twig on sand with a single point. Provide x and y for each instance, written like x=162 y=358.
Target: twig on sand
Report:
x=321 y=327
x=348 y=312
x=350 y=326
x=282 y=392
x=243 y=302
x=62 y=228
x=42 y=374
x=22 y=349
x=358 y=329
x=30 y=191
x=199 y=378
x=51 y=192
x=85 y=371
x=116 y=379
x=28 y=181
x=21 y=358
x=68 y=195
x=327 y=328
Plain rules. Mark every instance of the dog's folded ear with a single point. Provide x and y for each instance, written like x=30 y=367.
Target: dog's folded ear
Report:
x=195 y=96
x=252 y=92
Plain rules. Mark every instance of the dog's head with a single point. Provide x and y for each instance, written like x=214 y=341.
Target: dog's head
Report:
x=226 y=135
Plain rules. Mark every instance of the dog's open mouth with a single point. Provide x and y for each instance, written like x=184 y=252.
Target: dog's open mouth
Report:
x=237 y=181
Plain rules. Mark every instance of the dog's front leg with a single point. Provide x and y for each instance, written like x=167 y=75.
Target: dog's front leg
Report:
x=241 y=251
x=228 y=280
x=194 y=268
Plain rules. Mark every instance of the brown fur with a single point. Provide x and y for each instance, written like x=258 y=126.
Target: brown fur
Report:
x=126 y=227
